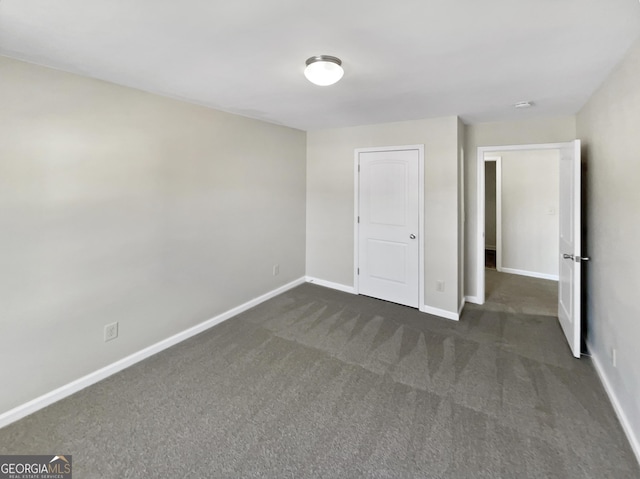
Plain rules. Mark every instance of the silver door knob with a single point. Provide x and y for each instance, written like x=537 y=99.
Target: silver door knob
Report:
x=412 y=236
x=576 y=258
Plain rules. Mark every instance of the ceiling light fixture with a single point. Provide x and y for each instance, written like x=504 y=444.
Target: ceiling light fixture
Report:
x=523 y=104
x=323 y=70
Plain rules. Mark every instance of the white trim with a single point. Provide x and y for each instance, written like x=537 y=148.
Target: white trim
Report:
x=356 y=202
x=356 y=229
x=480 y=226
x=68 y=389
x=443 y=313
x=498 y=181
x=632 y=436
x=530 y=146
x=531 y=274
x=472 y=299
x=331 y=284
x=490 y=247
x=480 y=217
x=462 y=239
x=462 y=302
x=498 y=218
x=499 y=213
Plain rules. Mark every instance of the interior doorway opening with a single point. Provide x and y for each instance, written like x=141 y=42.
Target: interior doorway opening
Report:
x=518 y=213
x=521 y=230
x=534 y=201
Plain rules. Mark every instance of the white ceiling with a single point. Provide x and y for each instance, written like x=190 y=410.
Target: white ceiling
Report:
x=403 y=59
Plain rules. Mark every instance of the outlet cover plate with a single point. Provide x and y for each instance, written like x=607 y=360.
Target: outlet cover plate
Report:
x=110 y=331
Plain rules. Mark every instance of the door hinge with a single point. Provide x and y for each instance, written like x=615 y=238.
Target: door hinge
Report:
x=358 y=270
x=358 y=168
x=358 y=219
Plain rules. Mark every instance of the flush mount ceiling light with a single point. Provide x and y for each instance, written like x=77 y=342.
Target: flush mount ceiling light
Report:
x=323 y=70
x=523 y=104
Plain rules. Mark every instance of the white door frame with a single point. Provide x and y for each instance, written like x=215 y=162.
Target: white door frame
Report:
x=498 y=162
x=480 y=260
x=356 y=209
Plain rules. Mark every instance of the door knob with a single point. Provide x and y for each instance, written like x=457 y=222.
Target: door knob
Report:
x=575 y=258
x=412 y=236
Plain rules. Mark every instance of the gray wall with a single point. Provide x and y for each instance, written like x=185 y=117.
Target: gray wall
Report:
x=117 y=205
x=461 y=138
x=330 y=200
x=530 y=197
x=538 y=130
x=609 y=126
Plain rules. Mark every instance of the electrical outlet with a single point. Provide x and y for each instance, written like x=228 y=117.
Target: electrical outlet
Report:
x=440 y=286
x=110 y=331
x=276 y=269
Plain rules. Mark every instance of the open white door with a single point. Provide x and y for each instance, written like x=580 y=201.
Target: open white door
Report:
x=388 y=225
x=569 y=286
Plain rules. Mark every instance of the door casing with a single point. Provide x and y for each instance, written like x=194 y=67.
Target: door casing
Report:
x=479 y=298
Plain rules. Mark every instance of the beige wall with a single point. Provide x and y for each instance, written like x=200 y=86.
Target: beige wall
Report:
x=609 y=126
x=460 y=232
x=539 y=130
x=530 y=200
x=117 y=205
x=330 y=200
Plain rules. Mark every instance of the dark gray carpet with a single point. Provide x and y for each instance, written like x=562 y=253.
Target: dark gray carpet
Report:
x=318 y=383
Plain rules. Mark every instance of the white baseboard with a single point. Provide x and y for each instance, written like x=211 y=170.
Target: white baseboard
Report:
x=350 y=289
x=632 y=436
x=330 y=284
x=472 y=299
x=440 y=312
x=461 y=307
x=38 y=403
x=532 y=274
x=490 y=247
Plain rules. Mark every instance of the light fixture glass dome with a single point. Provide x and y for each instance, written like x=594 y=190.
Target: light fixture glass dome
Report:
x=323 y=70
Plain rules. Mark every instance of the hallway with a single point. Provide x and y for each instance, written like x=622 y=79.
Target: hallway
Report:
x=520 y=294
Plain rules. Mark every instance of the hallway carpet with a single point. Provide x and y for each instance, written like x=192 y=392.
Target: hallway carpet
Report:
x=512 y=293
x=323 y=384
